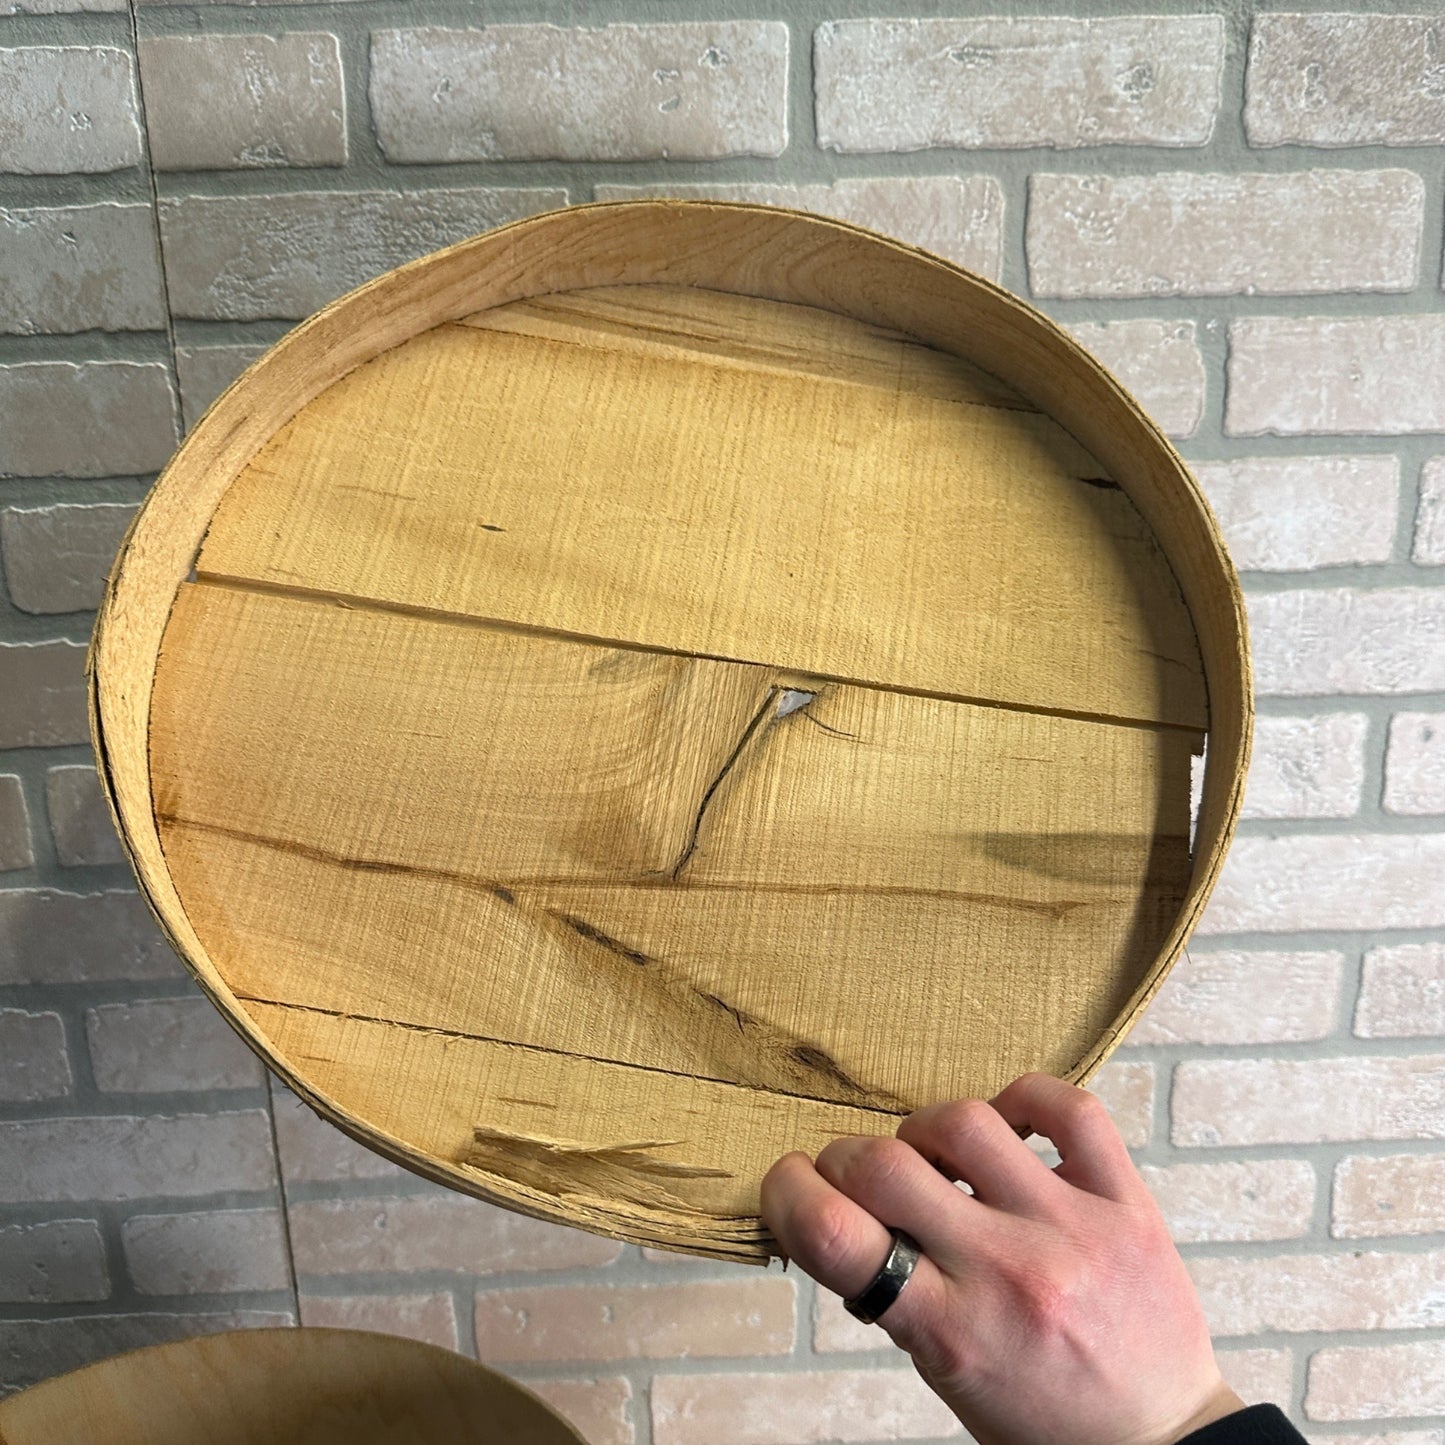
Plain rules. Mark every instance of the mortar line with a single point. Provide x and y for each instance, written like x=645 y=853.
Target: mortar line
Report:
x=282 y=1198
x=177 y=417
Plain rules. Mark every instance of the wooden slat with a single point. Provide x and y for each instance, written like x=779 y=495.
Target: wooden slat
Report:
x=886 y=536
x=660 y=860
x=694 y=1182
x=687 y=322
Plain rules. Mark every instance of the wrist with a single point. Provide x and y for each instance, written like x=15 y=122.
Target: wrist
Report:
x=1222 y=1401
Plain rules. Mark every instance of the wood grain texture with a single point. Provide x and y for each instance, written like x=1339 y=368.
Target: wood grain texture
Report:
x=755 y=253
x=720 y=328
x=688 y=865
x=283 y=1387
x=878 y=534
x=657 y=1159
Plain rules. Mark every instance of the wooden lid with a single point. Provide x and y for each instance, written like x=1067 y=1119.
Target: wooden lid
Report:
x=283 y=1387
x=665 y=683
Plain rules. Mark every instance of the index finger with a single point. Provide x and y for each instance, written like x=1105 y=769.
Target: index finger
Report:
x=1093 y=1152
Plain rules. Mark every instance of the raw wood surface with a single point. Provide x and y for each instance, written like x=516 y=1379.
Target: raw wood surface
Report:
x=694 y=866
x=517 y=805
x=854 y=527
x=282 y=1387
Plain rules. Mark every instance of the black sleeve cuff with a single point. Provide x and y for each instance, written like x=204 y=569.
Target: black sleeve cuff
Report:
x=1257 y=1425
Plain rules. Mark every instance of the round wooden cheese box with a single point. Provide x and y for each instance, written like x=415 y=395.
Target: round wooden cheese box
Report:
x=665 y=683
x=283 y=1387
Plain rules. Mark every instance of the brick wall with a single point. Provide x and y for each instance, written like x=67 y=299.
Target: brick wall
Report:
x=1242 y=214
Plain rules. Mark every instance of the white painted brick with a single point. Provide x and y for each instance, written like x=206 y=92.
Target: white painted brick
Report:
x=1297 y=376
x=611 y=92
x=836 y=1331
x=245 y=258
x=57 y=558
x=1430 y=524
x=1158 y=362
x=42 y=695
x=57 y=1262
x=32 y=1350
x=1291 y=514
x=207 y=1252
x=1345 y=80
x=1394 y=1437
x=167 y=1045
x=67 y=108
x=1258 y=1377
x=204 y=372
x=1388 y=1195
x=1260 y=1199
x=1365 y=1382
x=119 y=418
x=905 y=85
x=1126 y=1087
x=1302 y=1101
x=957 y=217
x=15 y=847
x=1307 y=767
x=599 y=1410
x=1246 y=1295
x=33 y=1061
x=1415 y=763
x=1238 y=997
x=732 y=1318
x=313 y=1150
x=1352 y=881
x=243 y=3
x=1338 y=640
x=119 y=1157
x=431 y=1318
x=1202 y=234
x=1402 y=992
x=80 y=821
x=52 y=937
x=79 y=268
x=798 y=1408
x=57 y=7
x=223 y=102
x=439 y=1231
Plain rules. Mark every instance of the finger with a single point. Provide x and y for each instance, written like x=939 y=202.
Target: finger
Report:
x=1093 y=1153
x=898 y=1186
x=970 y=1140
x=843 y=1247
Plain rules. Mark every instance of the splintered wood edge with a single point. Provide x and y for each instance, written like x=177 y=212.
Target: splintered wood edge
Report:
x=770 y=252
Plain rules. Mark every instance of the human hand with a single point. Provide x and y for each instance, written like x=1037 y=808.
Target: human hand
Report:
x=1049 y=1306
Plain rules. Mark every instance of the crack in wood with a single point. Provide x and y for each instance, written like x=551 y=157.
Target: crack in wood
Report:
x=1054 y=909
x=758 y=719
x=762 y=1052
x=896 y=1112
x=324 y=597
x=559 y=1167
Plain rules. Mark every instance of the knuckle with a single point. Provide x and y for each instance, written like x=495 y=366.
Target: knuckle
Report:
x=970 y=1119
x=1047 y=1302
x=874 y=1165
x=831 y=1240
x=1082 y=1107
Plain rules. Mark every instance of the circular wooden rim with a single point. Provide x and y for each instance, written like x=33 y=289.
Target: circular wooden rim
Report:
x=771 y=252
x=239 y=1348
